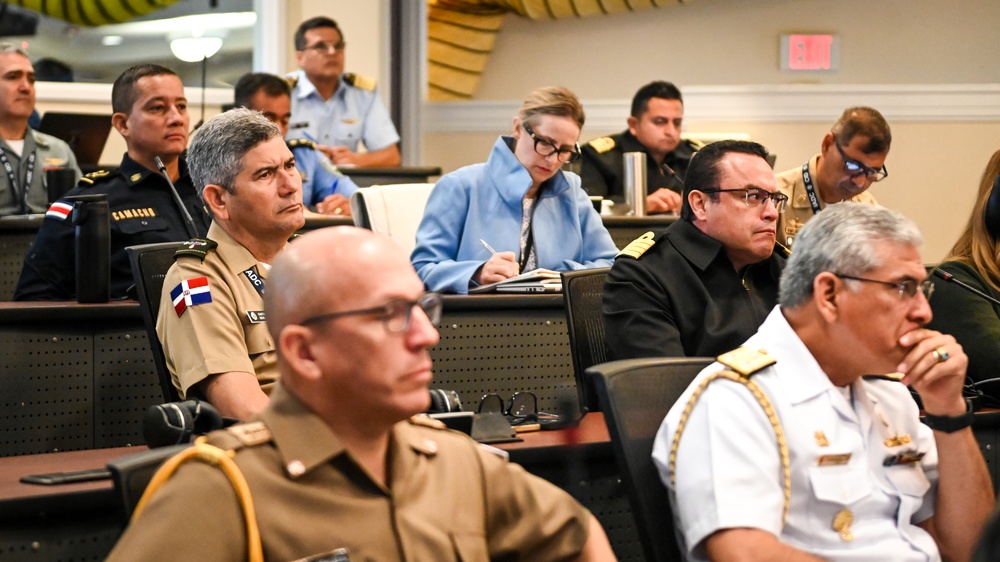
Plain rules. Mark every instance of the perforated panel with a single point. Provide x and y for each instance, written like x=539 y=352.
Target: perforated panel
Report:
x=82 y=538
x=13 y=245
x=505 y=351
x=126 y=384
x=46 y=393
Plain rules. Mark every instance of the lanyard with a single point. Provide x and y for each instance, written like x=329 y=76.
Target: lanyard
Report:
x=810 y=191
x=13 y=178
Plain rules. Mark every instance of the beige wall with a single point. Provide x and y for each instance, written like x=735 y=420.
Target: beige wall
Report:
x=937 y=156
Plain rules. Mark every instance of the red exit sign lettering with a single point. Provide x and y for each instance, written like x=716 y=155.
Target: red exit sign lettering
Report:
x=811 y=53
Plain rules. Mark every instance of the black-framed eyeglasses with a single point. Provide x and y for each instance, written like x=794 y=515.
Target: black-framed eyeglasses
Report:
x=327 y=47
x=546 y=148
x=395 y=314
x=906 y=288
x=521 y=408
x=755 y=196
x=855 y=168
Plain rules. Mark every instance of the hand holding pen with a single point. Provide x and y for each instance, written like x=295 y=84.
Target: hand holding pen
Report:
x=500 y=266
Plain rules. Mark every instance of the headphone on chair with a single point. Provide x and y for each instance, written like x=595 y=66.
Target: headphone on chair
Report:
x=991 y=213
x=175 y=422
x=443 y=401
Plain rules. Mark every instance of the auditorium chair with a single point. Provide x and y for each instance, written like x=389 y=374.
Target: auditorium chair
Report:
x=150 y=263
x=582 y=291
x=131 y=474
x=635 y=395
x=393 y=210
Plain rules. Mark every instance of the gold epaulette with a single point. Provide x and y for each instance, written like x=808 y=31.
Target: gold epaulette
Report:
x=782 y=250
x=602 y=144
x=639 y=246
x=299 y=143
x=196 y=247
x=95 y=177
x=292 y=81
x=746 y=361
x=423 y=420
x=695 y=144
x=251 y=434
x=361 y=82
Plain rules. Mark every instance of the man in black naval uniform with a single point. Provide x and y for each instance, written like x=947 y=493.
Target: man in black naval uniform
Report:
x=655 y=129
x=150 y=111
x=707 y=282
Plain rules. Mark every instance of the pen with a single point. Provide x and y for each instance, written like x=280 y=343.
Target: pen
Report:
x=487 y=246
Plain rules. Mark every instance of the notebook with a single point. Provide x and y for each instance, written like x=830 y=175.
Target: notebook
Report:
x=534 y=281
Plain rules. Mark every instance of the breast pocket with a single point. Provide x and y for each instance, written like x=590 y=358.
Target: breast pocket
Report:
x=257 y=337
x=143 y=229
x=835 y=488
x=469 y=546
x=908 y=479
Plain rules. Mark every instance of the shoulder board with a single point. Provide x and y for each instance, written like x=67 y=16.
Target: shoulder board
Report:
x=292 y=81
x=423 y=420
x=95 y=177
x=695 y=144
x=298 y=143
x=746 y=361
x=782 y=250
x=602 y=144
x=360 y=82
x=639 y=246
x=250 y=434
x=894 y=377
x=196 y=247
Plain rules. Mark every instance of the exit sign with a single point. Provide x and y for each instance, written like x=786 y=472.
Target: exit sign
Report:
x=810 y=53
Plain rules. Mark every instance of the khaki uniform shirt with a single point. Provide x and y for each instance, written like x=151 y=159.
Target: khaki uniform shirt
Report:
x=226 y=334
x=799 y=211
x=447 y=499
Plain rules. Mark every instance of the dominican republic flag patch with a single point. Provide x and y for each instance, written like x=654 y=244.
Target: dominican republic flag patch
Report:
x=190 y=292
x=59 y=210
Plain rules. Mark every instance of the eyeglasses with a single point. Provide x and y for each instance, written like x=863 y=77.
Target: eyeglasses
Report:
x=546 y=148
x=521 y=408
x=395 y=314
x=907 y=288
x=755 y=196
x=327 y=47
x=855 y=168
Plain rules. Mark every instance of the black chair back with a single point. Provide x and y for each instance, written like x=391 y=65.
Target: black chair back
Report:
x=150 y=263
x=131 y=474
x=583 y=291
x=635 y=395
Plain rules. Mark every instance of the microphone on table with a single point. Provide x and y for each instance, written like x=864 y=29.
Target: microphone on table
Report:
x=188 y=221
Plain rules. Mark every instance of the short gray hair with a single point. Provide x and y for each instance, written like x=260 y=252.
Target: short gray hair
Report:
x=217 y=150
x=6 y=48
x=842 y=239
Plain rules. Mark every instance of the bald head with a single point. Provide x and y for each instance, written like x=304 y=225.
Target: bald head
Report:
x=331 y=269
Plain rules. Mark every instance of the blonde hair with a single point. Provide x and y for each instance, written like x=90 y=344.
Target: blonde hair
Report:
x=551 y=100
x=975 y=246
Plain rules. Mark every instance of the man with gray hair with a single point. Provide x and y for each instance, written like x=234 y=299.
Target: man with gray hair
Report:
x=25 y=154
x=823 y=455
x=211 y=319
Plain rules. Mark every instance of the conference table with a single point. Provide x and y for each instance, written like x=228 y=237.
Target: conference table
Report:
x=82 y=521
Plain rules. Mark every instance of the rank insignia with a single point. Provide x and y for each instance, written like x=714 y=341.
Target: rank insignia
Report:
x=602 y=144
x=190 y=292
x=908 y=457
x=638 y=247
x=135 y=177
x=821 y=440
x=746 y=361
x=59 y=210
x=898 y=441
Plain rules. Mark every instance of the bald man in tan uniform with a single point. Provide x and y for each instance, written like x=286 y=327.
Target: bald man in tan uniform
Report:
x=333 y=466
x=211 y=318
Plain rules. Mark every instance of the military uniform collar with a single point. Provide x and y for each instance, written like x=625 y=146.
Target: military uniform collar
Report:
x=30 y=140
x=304 y=440
x=305 y=88
x=135 y=173
x=236 y=257
x=787 y=348
x=697 y=247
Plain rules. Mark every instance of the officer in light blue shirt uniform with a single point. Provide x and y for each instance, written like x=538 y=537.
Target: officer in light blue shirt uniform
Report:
x=335 y=110
x=324 y=188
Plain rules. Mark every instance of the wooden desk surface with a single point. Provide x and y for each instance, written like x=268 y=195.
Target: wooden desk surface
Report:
x=592 y=430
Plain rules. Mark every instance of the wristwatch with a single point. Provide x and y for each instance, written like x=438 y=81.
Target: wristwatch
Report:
x=951 y=424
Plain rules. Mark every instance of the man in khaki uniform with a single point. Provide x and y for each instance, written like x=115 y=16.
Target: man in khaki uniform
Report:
x=335 y=470
x=211 y=318
x=852 y=157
